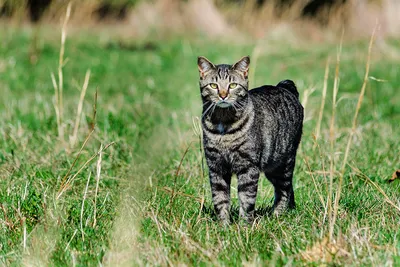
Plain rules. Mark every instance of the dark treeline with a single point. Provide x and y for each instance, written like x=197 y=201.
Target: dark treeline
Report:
x=311 y=9
x=118 y=9
x=105 y=9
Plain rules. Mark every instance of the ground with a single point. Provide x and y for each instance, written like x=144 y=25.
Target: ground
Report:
x=145 y=199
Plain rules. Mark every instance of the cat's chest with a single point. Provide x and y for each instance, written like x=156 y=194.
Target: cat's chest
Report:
x=228 y=138
x=223 y=141
x=221 y=128
x=226 y=154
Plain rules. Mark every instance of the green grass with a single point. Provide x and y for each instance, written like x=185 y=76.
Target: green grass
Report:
x=154 y=201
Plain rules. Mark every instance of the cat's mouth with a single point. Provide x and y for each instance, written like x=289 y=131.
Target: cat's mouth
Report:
x=223 y=104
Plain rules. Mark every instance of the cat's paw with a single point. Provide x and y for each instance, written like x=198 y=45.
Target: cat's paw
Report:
x=224 y=218
x=279 y=210
x=248 y=220
x=246 y=217
x=225 y=222
x=281 y=207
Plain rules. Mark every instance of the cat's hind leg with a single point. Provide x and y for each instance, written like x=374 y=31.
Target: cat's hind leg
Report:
x=282 y=180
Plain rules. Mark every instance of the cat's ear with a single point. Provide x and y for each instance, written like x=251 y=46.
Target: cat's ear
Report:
x=204 y=66
x=242 y=66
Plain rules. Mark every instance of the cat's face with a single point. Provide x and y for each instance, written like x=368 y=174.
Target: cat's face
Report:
x=223 y=84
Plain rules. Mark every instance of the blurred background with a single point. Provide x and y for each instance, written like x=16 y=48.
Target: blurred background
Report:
x=215 y=18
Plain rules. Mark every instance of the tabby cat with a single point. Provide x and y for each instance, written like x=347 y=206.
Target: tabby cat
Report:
x=247 y=132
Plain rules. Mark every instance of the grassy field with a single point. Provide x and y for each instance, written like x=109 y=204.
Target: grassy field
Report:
x=145 y=199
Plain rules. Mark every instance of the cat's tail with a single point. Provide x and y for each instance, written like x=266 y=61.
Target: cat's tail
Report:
x=289 y=85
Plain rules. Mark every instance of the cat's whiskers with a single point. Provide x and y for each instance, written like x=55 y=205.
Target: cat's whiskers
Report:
x=206 y=102
x=212 y=112
x=237 y=106
x=234 y=106
x=208 y=109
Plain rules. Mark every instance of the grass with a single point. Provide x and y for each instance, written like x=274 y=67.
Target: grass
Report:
x=148 y=201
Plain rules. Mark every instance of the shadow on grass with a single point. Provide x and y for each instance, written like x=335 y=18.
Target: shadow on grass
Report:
x=265 y=210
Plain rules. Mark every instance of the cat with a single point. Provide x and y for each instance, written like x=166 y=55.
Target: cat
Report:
x=246 y=132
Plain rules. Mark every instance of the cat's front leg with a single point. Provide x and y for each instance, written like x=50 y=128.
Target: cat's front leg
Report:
x=220 y=188
x=247 y=191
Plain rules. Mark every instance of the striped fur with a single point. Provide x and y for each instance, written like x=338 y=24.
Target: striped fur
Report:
x=248 y=132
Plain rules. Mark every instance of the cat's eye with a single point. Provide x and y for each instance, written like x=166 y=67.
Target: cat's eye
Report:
x=232 y=85
x=213 y=85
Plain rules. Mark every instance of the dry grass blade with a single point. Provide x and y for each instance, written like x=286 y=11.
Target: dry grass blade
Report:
x=193 y=244
x=333 y=139
x=183 y=157
x=93 y=124
x=353 y=129
x=98 y=171
x=171 y=200
x=59 y=106
x=56 y=103
x=79 y=110
x=190 y=244
x=69 y=242
x=315 y=184
x=198 y=132
x=61 y=58
x=387 y=199
x=159 y=228
x=64 y=187
x=360 y=99
x=324 y=173
x=171 y=191
x=306 y=96
x=321 y=110
x=83 y=206
x=63 y=181
x=24 y=233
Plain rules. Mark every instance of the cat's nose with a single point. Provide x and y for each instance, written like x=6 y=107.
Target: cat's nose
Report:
x=223 y=94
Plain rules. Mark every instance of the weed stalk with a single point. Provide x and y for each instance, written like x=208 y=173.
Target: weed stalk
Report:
x=79 y=109
x=333 y=139
x=58 y=87
x=321 y=109
x=98 y=171
x=353 y=129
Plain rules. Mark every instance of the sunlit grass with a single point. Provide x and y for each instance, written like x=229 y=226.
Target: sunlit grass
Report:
x=146 y=210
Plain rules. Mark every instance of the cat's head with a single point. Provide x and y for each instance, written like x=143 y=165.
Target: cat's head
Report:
x=223 y=84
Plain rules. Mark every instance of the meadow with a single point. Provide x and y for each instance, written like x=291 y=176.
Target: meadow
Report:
x=113 y=172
